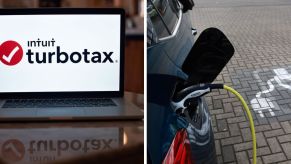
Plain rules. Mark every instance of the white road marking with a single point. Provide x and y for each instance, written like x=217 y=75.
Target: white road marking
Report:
x=259 y=103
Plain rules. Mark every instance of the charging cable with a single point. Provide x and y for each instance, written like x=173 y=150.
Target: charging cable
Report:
x=182 y=99
x=250 y=119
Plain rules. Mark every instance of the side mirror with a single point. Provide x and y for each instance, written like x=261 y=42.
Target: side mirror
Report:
x=208 y=56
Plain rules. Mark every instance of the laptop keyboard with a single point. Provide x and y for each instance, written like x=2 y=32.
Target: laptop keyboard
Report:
x=52 y=103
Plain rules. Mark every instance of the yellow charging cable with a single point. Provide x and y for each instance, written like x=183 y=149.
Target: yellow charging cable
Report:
x=250 y=119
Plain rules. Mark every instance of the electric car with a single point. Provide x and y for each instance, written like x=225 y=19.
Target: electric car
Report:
x=177 y=60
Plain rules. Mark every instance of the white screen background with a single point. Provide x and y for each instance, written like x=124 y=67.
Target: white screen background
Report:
x=71 y=33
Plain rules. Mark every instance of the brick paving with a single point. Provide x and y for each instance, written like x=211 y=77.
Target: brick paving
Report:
x=260 y=70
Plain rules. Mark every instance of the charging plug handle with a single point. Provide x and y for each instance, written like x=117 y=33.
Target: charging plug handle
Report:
x=182 y=99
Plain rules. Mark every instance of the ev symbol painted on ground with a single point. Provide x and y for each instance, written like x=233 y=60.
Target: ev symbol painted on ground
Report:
x=262 y=103
x=13 y=150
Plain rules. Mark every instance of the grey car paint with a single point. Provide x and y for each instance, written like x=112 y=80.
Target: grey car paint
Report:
x=171 y=57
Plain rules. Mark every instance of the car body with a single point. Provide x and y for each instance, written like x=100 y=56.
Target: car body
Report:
x=160 y=43
x=169 y=40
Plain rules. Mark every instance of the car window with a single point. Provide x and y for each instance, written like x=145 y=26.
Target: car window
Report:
x=151 y=35
x=164 y=16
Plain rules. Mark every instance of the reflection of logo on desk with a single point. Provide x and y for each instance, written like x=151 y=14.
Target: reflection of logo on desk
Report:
x=13 y=150
x=60 y=146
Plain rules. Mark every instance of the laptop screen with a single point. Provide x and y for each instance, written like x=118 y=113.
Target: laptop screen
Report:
x=71 y=52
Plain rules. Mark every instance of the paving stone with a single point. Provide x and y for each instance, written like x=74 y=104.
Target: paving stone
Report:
x=246 y=134
x=286 y=108
x=242 y=157
x=238 y=111
x=261 y=141
x=219 y=159
x=286 y=126
x=210 y=108
x=284 y=138
x=273 y=133
x=226 y=79
x=234 y=129
x=274 y=145
x=217 y=104
x=236 y=103
x=263 y=121
x=228 y=153
x=224 y=115
x=208 y=99
x=285 y=162
x=236 y=119
x=219 y=97
x=231 y=140
x=275 y=125
x=217 y=147
x=243 y=146
x=261 y=128
x=222 y=125
x=217 y=111
x=223 y=92
x=274 y=158
x=287 y=149
x=220 y=135
x=228 y=107
x=260 y=151
x=284 y=101
x=244 y=125
x=214 y=129
x=284 y=117
x=259 y=160
x=213 y=120
x=234 y=99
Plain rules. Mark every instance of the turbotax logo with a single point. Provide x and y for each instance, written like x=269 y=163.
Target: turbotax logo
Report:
x=11 y=53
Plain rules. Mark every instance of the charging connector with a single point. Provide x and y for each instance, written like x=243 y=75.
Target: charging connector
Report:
x=186 y=97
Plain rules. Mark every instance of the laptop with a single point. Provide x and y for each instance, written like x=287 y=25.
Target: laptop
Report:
x=63 y=64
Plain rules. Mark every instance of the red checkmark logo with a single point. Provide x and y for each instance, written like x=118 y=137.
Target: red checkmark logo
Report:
x=10 y=53
x=13 y=150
